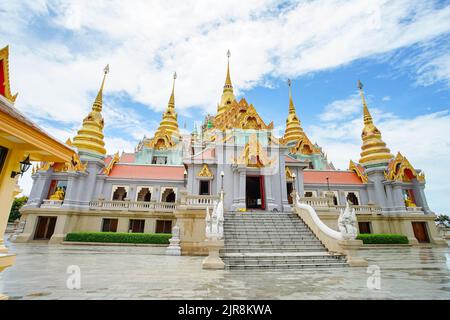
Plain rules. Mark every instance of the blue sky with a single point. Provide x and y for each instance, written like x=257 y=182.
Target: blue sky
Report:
x=399 y=49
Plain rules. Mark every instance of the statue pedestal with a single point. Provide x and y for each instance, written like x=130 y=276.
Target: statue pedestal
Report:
x=174 y=248
x=213 y=260
x=351 y=248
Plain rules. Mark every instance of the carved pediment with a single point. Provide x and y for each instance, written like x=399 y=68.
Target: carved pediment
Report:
x=254 y=155
x=205 y=172
x=400 y=169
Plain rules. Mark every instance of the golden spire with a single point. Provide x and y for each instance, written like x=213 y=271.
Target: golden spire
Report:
x=168 y=128
x=294 y=130
x=373 y=149
x=228 y=94
x=90 y=137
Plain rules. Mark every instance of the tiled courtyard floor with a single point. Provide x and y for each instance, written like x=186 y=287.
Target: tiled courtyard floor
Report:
x=40 y=272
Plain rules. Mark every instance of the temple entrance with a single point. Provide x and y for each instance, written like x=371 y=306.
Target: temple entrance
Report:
x=45 y=228
x=254 y=192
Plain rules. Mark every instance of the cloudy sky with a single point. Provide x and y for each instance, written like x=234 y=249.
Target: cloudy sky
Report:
x=399 y=49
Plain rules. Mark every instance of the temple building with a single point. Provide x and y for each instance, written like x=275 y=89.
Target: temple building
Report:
x=172 y=178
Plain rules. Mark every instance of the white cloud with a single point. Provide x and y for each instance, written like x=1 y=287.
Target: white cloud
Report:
x=422 y=139
x=146 y=41
x=341 y=109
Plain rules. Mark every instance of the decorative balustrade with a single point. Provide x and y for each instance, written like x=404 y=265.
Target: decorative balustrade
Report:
x=322 y=202
x=132 y=205
x=201 y=201
x=414 y=209
x=52 y=203
x=315 y=201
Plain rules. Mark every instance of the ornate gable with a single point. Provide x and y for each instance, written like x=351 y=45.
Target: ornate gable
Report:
x=5 y=89
x=205 y=172
x=111 y=164
x=254 y=155
x=400 y=169
x=359 y=171
x=304 y=146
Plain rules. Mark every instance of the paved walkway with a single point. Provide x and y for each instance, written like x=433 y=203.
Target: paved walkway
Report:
x=146 y=273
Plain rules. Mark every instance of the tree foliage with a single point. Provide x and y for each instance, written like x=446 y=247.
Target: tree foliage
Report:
x=17 y=204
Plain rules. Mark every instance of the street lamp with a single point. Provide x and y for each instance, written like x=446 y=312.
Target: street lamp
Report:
x=222 y=174
x=293 y=177
x=185 y=177
x=328 y=183
x=24 y=166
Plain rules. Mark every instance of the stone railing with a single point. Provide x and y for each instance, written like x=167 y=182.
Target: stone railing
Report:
x=52 y=204
x=201 y=201
x=363 y=209
x=414 y=209
x=132 y=205
x=315 y=201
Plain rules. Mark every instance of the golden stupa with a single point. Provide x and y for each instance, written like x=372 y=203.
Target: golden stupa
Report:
x=228 y=94
x=374 y=150
x=90 y=137
x=168 y=127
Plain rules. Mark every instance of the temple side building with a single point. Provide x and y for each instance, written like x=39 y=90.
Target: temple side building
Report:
x=172 y=178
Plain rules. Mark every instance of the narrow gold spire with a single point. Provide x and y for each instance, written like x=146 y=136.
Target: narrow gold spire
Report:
x=172 y=96
x=294 y=130
x=228 y=86
x=228 y=94
x=90 y=137
x=373 y=149
x=168 y=127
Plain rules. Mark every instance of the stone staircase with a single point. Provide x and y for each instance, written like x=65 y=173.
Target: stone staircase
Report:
x=266 y=240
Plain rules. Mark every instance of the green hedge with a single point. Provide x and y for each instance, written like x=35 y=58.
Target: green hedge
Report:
x=114 y=237
x=368 y=238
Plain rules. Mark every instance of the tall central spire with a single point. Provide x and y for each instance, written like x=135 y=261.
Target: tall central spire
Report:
x=373 y=150
x=294 y=130
x=90 y=137
x=228 y=94
x=169 y=122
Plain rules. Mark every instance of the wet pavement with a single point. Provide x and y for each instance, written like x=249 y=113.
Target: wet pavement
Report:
x=106 y=272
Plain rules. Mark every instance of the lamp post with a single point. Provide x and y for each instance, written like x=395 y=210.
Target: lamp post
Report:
x=294 y=176
x=185 y=177
x=24 y=166
x=222 y=174
x=328 y=183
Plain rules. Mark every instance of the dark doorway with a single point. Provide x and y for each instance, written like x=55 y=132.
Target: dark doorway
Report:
x=255 y=192
x=290 y=188
x=45 y=228
x=204 y=188
x=420 y=232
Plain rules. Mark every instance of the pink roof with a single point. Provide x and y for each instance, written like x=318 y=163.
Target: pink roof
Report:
x=127 y=158
x=130 y=171
x=208 y=154
x=108 y=160
x=290 y=159
x=335 y=177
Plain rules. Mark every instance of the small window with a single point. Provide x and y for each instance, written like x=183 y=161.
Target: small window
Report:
x=119 y=194
x=3 y=153
x=168 y=195
x=353 y=198
x=136 y=225
x=144 y=195
x=365 y=227
x=159 y=160
x=110 y=225
x=163 y=226
x=56 y=185
x=204 y=188
x=309 y=194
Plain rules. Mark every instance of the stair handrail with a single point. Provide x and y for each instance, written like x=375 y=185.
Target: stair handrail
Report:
x=214 y=222
x=316 y=219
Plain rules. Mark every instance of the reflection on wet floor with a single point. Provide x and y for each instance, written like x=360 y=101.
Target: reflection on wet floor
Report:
x=146 y=273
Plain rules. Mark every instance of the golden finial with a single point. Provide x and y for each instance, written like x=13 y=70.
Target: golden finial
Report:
x=367 y=116
x=98 y=103
x=291 y=102
x=228 y=84
x=172 y=96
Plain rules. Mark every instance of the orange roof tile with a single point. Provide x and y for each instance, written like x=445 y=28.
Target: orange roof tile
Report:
x=130 y=171
x=127 y=158
x=207 y=154
x=335 y=177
